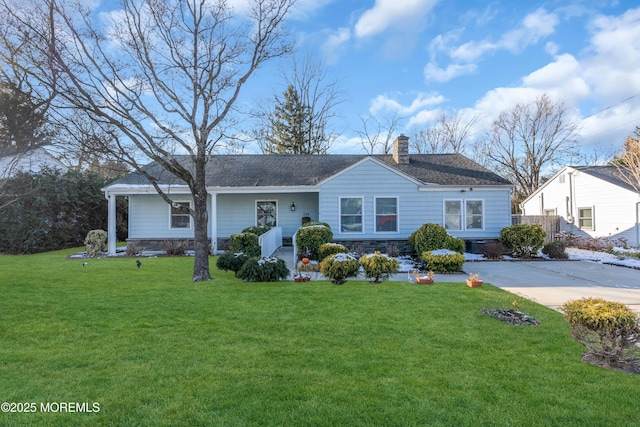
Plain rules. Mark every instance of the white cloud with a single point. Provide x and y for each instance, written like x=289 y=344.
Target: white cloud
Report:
x=424 y=117
x=561 y=79
x=383 y=103
x=535 y=26
x=334 y=45
x=434 y=73
x=391 y=13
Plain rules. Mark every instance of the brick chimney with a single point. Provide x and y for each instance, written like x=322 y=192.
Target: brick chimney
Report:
x=401 y=150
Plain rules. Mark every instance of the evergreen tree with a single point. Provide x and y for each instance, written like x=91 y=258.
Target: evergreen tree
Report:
x=22 y=120
x=289 y=126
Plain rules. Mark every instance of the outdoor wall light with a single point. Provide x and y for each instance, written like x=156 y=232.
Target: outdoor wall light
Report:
x=293 y=207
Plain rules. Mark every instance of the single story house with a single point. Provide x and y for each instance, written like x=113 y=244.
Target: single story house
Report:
x=593 y=201
x=34 y=160
x=369 y=200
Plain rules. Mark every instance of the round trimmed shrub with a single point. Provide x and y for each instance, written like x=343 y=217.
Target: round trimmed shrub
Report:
x=95 y=241
x=339 y=267
x=255 y=229
x=430 y=237
x=264 y=269
x=555 y=250
x=327 y=249
x=378 y=267
x=443 y=260
x=523 y=240
x=245 y=242
x=312 y=237
x=232 y=261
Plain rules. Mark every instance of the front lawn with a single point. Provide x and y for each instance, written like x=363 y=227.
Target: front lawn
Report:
x=152 y=348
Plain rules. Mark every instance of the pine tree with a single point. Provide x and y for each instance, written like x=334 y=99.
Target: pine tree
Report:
x=289 y=126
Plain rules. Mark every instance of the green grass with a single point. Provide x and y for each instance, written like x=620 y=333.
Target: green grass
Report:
x=153 y=348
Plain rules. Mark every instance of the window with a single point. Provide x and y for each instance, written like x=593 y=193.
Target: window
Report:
x=585 y=218
x=266 y=213
x=471 y=210
x=179 y=219
x=386 y=214
x=351 y=215
x=550 y=212
x=474 y=213
x=453 y=214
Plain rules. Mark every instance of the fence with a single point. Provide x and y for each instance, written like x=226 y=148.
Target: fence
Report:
x=550 y=223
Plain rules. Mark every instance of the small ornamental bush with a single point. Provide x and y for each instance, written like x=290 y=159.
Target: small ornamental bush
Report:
x=339 y=267
x=94 y=242
x=378 y=267
x=245 y=242
x=555 y=250
x=443 y=260
x=312 y=237
x=175 y=247
x=493 y=250
x=609 y=330
x=232 y=261
x=430 y=237
x=259 y=230
x=523 y=240
x=327 y=249
x=312 y=223
x=263 y=269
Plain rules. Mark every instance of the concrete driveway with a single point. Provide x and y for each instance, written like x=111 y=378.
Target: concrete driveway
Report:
x=552 y=283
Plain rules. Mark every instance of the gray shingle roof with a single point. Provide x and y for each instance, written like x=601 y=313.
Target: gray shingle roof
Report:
x=305 y=170
x=610 y=174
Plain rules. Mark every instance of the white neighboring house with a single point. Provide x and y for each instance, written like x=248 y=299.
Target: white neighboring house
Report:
x=591 y=200
x=31 y=161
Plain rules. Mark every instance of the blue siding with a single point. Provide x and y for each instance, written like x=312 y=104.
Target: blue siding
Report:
x=149 y=218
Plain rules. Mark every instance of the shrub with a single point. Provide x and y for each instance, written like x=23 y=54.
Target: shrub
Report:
x=259 y=230
x=493 y=250
x=555 y=250
x=312 y=237
x=263 y=269
x=523 y=240
x=94 y=242
x=393 y=251
x=378 y=267
x=443 y=260
x=175 y=247
x=609 y=330
x=246 y=243
x=132 y=249
x=232 y=261
x=339 y=267
x=430 y=237
x=312 y=223
x=327 y=249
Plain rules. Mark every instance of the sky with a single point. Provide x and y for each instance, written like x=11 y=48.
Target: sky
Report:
x=422 y=58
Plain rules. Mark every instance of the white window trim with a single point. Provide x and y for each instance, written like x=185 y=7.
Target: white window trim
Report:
x=463 y=214
x=593 y=218
x=171 y=216
x=340 y=215
x=375 y=214
x=444 y=214
x=255 y=210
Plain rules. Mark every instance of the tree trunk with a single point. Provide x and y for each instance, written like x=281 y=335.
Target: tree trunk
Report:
x=200 y=222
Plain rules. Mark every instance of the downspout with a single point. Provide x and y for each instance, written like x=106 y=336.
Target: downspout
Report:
x=570 y=201
x=637 y=224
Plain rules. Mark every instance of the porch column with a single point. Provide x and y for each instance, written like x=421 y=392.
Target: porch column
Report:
x=111 y=225
x=214 y=222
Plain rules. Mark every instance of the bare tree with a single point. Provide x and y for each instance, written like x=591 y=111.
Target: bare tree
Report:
x=628 y=163
x=449 y=135
x=528 y=138
x=301 y=120
x=377 y=137
x=160 y=78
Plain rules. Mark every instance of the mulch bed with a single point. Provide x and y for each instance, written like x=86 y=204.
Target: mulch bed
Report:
x=510 y=316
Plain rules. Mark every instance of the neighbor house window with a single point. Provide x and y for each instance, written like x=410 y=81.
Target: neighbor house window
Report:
x=585 y=218
x=266 y=213
x=474 y=214
x=180 y=219
x=550 y=212
x=387 y=214
x=453 y=214
x=351 y=215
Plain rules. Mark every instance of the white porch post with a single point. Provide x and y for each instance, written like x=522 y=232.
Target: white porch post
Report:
x=111 y=225
x=214 y=222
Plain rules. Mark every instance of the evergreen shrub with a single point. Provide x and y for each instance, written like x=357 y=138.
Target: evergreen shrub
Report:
x=327 y=249
x=443 y=260
x=378 y=267
x=430 y=237
x=312 y=237
x=232 y=261
x=246 y=243
x=256 y=229
x=263 y=269
x=523 y=240
x=95 y=242
x=339 y=267
x=555 y=250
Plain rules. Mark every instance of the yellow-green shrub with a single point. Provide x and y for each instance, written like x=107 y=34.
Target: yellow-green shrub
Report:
x=339 y=267
x=443 y=260
x=608 y=329
x=327 y=249
x=378 y=267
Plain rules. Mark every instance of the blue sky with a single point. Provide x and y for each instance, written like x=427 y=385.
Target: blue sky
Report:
x=422 y=58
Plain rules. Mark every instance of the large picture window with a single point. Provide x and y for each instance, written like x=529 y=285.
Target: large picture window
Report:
x=351 y=215
x=386 y=214
x=463 y=215
x=179 y=219
x=266 y=213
